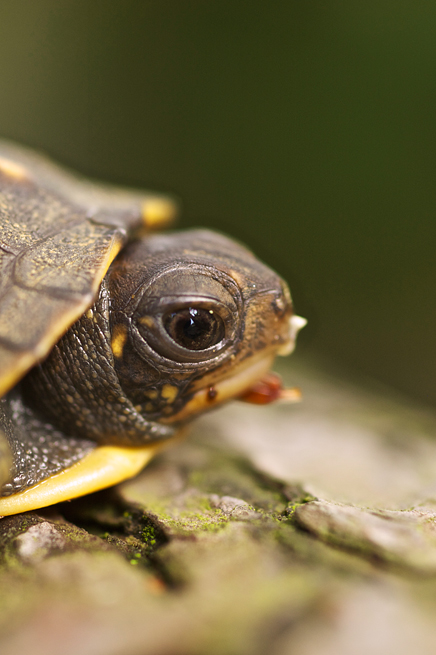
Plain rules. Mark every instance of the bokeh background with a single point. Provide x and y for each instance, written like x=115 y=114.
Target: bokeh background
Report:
x=305 y=129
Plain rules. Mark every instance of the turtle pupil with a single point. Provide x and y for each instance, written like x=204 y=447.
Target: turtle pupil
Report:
x=195 y=329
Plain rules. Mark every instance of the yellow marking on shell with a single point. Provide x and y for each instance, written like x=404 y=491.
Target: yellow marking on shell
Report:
x=101 y=468
x=11 y=374
x=12 y=169
x=113 y=251
x=20 y=363
x=119 y=337
x=152 y=394
x=158 y=212
x=169 y=392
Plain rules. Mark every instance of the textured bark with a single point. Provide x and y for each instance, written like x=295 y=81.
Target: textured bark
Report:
x=216 y=548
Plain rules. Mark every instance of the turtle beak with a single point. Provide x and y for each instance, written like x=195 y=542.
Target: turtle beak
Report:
x=296 y=323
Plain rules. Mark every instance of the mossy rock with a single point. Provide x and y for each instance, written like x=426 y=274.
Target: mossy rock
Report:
x=217 y=548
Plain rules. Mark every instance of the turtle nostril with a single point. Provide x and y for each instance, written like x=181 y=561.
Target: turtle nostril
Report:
x=281 y=305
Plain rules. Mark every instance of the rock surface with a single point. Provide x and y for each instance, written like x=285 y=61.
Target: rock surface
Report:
x=271 y=530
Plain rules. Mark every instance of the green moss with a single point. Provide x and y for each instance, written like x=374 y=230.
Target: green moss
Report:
x=297 y=502
x=149 y=535
x=231 y=475
x=189 y=522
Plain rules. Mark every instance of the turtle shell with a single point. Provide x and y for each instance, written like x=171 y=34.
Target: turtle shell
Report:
x=59 y=234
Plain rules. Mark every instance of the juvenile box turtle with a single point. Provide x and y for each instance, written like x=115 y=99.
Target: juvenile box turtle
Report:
x=111 y=336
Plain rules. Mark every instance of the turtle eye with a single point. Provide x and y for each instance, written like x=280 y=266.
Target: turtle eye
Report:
x=195 y=328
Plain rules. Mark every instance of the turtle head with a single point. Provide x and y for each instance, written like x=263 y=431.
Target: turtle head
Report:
x=195 y=320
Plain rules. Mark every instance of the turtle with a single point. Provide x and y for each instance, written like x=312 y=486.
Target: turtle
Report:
x=114 y=334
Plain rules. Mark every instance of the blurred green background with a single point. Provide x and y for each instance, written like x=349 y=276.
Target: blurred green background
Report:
x=305 y=129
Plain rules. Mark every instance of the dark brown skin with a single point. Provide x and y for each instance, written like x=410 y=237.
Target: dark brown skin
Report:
x=186 y=310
